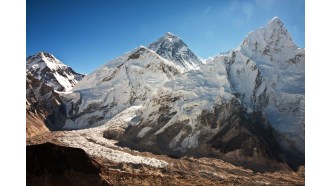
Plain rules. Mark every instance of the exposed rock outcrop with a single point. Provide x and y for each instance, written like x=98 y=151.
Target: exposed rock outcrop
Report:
x=44 y=108
x=51 y=71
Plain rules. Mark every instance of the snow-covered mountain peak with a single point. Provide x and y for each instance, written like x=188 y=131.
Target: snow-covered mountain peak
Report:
x=46 y=59
x=271 y=40
x=46 y=55
x=170 y=37
x=275 y=20
x=139 y=59
x=168 y=100
x=172 y=48
x=169 y=34
x=47 y=68
x=128 y=80
x=277 y=76
x=276 y=25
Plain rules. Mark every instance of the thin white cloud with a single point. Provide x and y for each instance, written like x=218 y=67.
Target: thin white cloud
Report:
x=247 y=9
x=207 y=10
x=244 y=9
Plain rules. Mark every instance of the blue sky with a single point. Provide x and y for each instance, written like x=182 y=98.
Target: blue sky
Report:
x=85 y=34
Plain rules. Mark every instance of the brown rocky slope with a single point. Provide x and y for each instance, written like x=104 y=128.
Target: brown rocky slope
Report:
x=179 y=171
x=44 y=108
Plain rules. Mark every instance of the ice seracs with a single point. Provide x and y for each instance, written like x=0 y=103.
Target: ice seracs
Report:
x=245 y=106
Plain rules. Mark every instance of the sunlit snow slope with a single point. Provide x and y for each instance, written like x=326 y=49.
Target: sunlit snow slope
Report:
x=54 y=73
x=126 y=81
x=244 y=106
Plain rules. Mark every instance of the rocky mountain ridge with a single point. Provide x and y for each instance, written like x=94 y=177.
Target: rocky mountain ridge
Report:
x=243 y=106
x=45 y=67
x=45 y=110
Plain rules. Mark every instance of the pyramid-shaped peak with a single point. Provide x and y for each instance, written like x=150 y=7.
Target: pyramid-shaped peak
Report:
x=271 y=39
x=275 y=20
x=41 y=55
x=275 y=23
x=46 y=54
x=168 y=40
x=172 y=48
x=44 y=57
x=170 y=34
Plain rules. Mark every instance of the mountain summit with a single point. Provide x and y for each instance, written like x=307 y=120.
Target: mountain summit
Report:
x=172 y=48
x=246 y=106
x=45 y=67
x=249 y=98
x=272 y=39
x=129 y=80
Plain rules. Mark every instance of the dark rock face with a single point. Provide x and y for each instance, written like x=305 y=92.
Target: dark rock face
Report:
x=43 y=104
x=158 y=144
x=248 y=141
x=50 y=164
x=136 y=55
x=174 y=49
x=45 y=109
x=113 y=133
x=225 y=132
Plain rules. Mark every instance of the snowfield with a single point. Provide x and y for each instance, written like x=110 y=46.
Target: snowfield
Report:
x=166 y=88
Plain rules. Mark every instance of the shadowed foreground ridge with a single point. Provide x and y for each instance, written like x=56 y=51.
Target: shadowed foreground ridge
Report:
x=51 y=164
x=178 y=171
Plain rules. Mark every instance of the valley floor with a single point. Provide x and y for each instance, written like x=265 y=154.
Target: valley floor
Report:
x=123 y=166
